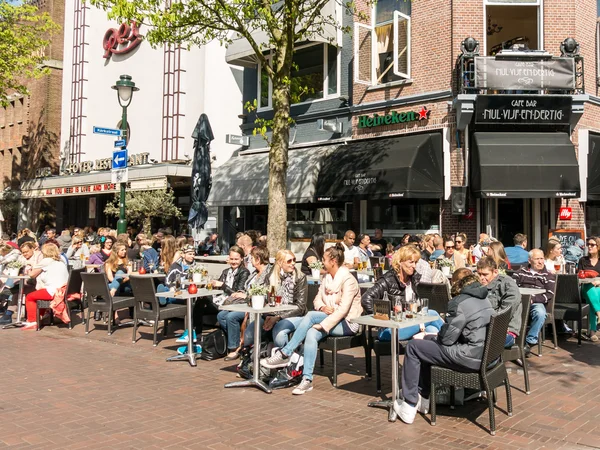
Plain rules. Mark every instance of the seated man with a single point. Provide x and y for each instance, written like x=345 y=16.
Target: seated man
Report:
x=459 y=344
x=502 y=292
x=536 y=276
x=517 y=255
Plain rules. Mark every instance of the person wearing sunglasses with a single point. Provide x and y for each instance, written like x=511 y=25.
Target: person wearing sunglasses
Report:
x=450 y=257
x=291 y=286
x=591 y=291
x=460 y=246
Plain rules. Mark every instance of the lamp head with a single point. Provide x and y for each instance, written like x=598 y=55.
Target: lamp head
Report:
x=569 y=47
x=125 y=89
x=470 y=46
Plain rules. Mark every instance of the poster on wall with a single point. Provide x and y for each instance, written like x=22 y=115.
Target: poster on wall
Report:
x=92 y=208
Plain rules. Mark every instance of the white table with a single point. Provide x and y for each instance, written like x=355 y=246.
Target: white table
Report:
x=18 y=323
x=255 y=381
x=588 y=280
x=185 y=295
x=531 y=291
x=370 y=321
x=149 y=275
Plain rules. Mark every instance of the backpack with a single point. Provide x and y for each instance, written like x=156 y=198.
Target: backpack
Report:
x=289 y=376
x=246 y=366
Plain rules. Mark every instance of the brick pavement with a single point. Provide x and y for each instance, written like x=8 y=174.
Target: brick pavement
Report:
x=63 y=389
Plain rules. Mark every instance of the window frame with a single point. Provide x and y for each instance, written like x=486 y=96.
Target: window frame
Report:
x=326 y=95
x=540 y=19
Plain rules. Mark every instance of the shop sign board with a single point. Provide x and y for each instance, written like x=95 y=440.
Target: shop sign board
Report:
x=118 y=41
x=565 y=213
x=523 y=109
x=519 y=74
x=567 y=237
x=97 y=165
x=97 y=188
x=393 y=118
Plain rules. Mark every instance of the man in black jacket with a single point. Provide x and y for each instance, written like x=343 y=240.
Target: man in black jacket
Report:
x=459 y=344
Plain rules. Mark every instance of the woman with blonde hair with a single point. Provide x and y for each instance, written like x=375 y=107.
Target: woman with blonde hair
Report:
x=291 y=285
x=51 y=275
x=496 y=251
x=168 y=252
x=117 y=269
x=553 y=255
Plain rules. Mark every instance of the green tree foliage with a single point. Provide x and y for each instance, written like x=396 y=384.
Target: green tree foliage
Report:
x=284 y=22
x=143 y=206
x=24 y=35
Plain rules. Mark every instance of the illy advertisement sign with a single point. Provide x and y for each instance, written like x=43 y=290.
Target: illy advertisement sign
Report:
x=565 y=213
x=523 y=110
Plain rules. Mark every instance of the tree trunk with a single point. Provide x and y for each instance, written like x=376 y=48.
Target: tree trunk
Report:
x=278 y=164
x=147 y=227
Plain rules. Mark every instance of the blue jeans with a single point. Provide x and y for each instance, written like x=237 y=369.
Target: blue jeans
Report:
x=311 y=337
x=164 y=301
x=510 y=341
x=283 y=329
x=537 y=313
x=117 y=283
x=231 y=323
x=249 y=333
x=404 y=334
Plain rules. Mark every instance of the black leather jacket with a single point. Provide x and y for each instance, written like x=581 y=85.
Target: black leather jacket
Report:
x=239 y=280
x=388 y=283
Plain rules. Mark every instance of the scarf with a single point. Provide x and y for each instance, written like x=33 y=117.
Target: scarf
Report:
x=286 y=289
x=331 y=289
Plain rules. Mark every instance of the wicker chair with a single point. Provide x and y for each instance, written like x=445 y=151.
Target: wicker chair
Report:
x=337 y=343
x=147 y=307
x=73 y=287
x=550 y=318
x=491 y=374
x=99 y=298
x=517 y=352
x=438 y=295
x=567 y=304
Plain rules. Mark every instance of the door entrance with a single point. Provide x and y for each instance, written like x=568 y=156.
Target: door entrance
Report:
x=511 y=220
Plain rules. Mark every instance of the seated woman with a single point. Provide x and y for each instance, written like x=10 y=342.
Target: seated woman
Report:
x=314 y=253
x=231 y=321
x=292 y=286
x=553 y=255
x=117 y=270
x=77 y=249
x=336 y=304
x=149 y=256
x=179 y=269
x=8 y=254
x=52 y=275
x=232 y=280
x=497 y=252
x=459 y=344
x=104 y=253
x=591 y=291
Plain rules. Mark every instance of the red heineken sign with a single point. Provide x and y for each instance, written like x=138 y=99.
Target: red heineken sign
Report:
x=393 y=118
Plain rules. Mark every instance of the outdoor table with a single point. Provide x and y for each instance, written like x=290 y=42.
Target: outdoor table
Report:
x=18 y=323
x=255 y=381
x=185 y=295
x=149 y=275
x=370 y=321
x=588 y=280
x=531 y=291
x=217 y=259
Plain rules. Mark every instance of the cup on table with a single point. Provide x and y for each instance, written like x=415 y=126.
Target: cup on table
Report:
x=424 y=306
x=278 y=299
x=397 y=307
x=209 y=285
x=557 y=268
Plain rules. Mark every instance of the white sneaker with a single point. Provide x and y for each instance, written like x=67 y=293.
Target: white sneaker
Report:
x=304 y=387
x=422 y=404
x=406 y=412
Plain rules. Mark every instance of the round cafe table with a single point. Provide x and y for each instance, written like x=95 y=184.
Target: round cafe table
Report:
x=19 y=322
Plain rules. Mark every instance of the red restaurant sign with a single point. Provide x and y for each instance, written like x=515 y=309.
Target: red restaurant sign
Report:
x=122 y=40
x=565 y=213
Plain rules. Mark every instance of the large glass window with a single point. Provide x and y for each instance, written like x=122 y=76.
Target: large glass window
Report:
x=314 y=75
x=512 y=26
x=382 y=49
x=414 y=215
x=305 y=219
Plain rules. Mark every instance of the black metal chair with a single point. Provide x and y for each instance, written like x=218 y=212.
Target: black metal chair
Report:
x=73 y=287
x=438 y=295
x=99 y=298
x=568 y=304
x=147 y=307
x=550 y=317
x=337 y=343
x=517 y=352
x=491 y=374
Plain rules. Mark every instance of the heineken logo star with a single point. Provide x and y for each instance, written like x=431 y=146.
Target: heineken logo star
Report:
x=424 y=113
x=393 y=118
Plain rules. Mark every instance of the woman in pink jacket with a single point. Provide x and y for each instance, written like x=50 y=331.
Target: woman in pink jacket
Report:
x=336 y=303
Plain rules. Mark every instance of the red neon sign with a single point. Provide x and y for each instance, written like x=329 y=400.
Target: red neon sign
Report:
x=122 y=40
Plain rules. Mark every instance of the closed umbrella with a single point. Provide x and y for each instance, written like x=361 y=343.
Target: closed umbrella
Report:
x=201 y=176
x=1 y=220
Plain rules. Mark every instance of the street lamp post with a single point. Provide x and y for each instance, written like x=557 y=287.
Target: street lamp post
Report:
x=125 y=89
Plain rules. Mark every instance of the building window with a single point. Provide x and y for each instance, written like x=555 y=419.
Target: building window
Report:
x=382 y=49
x=314 y=75
x=407 y=215
x=512 y=25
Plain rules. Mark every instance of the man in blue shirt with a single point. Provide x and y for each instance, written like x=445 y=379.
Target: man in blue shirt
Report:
x=518 y=254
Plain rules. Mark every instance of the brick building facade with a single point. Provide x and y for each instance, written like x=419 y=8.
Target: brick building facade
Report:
x=30 y=125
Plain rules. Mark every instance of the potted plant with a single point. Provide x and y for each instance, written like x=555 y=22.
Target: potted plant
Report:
x=13 y=268
x=315 y=269
x=197 y=270
x=446 y=266
x=258 y=293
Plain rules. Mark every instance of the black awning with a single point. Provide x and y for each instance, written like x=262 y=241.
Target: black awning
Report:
x=524 y=165
x=402 y=167
x=593 y=175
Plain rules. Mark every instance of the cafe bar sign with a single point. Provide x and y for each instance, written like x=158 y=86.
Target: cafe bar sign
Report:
x=97 y=165
x=523 y=109
x=393 y=118
x=505 y=74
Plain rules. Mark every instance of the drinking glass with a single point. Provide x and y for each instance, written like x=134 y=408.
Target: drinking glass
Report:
x=278 y=299
x=557 y=267
x=424 y=306
x=397 y=307
x=209 y=285
x=151 y=267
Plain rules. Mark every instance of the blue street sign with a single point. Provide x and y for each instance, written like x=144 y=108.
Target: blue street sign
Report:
x=119 y=159
x=109 y=131
x=120 y=143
